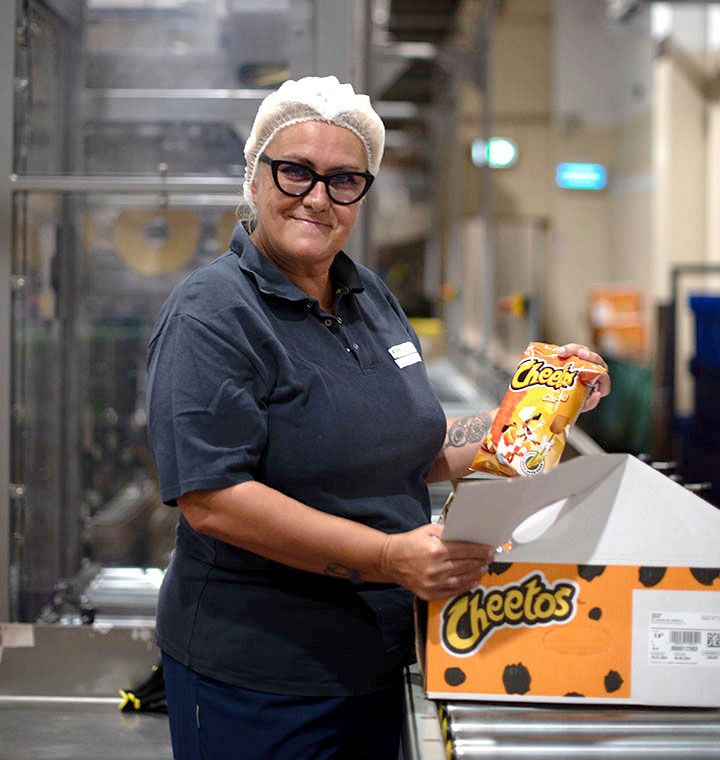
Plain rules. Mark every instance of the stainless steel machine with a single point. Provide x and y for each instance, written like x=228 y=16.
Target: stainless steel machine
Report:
x=122 y=165
x=130 y=119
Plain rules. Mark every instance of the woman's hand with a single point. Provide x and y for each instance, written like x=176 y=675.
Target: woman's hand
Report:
x=431 y=568
x=602 y=387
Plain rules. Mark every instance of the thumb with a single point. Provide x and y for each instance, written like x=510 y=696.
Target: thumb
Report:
x=433 y=529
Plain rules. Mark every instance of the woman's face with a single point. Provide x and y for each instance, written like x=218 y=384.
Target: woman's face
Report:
x=302 y=235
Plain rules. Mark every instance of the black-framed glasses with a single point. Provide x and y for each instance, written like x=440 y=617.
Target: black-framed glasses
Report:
x=295 y=179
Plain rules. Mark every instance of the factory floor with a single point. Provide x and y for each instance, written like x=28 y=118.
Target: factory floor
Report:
x=44 y=728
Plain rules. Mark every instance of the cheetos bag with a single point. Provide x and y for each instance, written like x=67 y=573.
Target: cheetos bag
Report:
x=542 y=402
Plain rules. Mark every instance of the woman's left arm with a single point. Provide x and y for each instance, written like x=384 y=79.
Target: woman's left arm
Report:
x=462 y=440
x=464 y=434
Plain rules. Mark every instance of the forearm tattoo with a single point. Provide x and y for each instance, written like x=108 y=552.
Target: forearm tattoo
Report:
x=340 y=571
x=465 y=430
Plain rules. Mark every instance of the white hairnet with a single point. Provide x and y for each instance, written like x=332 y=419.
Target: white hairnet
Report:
x=313 y=99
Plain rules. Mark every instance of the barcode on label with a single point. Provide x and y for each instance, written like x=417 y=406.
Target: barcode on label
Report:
x=685 y=637
x=714 y=640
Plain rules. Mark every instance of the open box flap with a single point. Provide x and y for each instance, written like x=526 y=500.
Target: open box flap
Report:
x=488 y=510
x=599 y=509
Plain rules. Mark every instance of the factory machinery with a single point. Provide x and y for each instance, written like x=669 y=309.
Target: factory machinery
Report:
x=476 y=730
x=130 y=120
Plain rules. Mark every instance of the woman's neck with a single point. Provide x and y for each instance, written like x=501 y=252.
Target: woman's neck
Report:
x=318 y=287
x=314 y=280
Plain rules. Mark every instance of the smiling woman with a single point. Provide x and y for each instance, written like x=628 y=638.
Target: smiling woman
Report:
x=293 y=422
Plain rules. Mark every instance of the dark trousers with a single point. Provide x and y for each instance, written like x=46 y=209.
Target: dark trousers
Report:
x=211 y=720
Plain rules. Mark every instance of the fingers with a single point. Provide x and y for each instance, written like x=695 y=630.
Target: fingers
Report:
x=600 y=390
x=432 y=568
x=459 y=550
x=591 y=401
x=602 y=383
x=433 y=529
x=577 y=349
x=456 y=549
x=467 y=567
x=453 y=585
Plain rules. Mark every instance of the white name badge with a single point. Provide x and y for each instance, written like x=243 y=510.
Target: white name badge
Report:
x=404 y=354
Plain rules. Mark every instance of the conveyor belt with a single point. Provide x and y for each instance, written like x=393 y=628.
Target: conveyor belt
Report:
x=492 y=731
x=496 y=732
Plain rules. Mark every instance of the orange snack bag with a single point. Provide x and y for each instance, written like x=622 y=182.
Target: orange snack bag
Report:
x=542 y=402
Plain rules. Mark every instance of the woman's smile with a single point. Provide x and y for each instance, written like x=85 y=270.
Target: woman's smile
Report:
x=312 y=223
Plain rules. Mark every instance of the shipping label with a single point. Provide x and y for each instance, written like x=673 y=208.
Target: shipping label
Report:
x=685 y=638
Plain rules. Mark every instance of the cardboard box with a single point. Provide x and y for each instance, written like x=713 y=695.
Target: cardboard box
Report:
x=610 y=302
x=618 y=321
x=611 y=593
x=627 y=338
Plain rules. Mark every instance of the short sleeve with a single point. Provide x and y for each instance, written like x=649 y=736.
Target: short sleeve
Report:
x=206 y=404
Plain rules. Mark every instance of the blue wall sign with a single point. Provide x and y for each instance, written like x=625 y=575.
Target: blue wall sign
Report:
x=581 y=176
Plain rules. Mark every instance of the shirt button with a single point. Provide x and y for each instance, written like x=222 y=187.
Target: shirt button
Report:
x=355 y=346
x=347 y=348
x=328 y=322
x=308 y=305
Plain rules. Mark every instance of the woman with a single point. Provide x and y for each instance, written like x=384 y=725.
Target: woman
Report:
x=293 y=423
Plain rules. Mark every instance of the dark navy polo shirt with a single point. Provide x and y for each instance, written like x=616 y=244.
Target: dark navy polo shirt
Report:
x=249 y=379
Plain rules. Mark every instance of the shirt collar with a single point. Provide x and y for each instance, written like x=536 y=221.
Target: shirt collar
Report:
x=271 y=281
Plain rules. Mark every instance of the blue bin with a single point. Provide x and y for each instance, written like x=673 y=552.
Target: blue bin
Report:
x=707 y=328
x=707 y=397
x=699 y=455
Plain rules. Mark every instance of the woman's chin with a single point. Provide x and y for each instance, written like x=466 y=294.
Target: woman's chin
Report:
x=312 y=243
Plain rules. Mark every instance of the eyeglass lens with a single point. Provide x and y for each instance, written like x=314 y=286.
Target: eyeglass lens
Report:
x=343 y=187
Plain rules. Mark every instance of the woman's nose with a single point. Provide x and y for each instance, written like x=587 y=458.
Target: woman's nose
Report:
x=317 y=198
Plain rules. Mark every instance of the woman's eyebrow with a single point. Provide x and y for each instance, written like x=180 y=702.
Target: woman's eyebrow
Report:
x=340 y=168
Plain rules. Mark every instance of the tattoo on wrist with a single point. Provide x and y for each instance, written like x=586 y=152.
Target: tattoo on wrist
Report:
x=340 y=571
x=467 y=430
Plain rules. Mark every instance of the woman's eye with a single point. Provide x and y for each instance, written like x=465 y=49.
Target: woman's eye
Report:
x=296 y=173
x=345 y=180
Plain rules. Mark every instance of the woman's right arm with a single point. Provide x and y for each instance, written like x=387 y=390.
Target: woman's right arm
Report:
x=262 y=520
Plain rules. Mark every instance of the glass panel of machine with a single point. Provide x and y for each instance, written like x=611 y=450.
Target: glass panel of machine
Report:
x=123 y=86
x=95 y=270
x=130 y=120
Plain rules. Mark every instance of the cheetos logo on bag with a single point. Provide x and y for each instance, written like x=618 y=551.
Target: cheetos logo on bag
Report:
x=533 y=372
